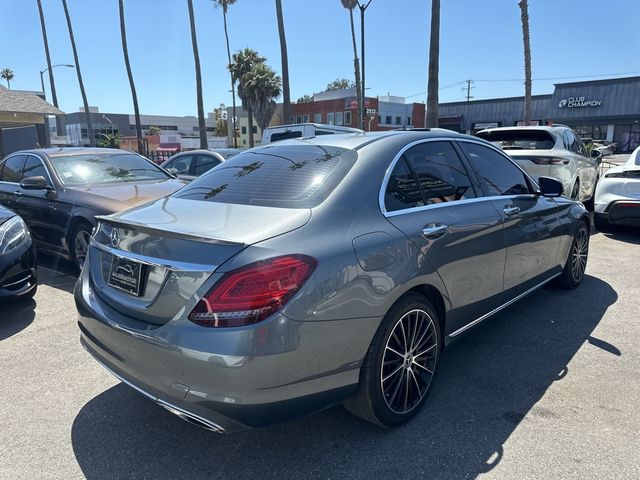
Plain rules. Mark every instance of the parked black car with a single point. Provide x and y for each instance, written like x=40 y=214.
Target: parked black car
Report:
x=59 y=191
x=190 y=165
x=18 y=276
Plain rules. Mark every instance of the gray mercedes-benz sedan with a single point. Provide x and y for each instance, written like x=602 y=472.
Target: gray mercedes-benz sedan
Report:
x=321 y=270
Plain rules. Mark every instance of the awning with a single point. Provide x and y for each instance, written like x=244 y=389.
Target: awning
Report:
x=167 y=150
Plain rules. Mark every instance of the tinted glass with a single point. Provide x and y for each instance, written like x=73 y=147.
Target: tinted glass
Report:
x=402 y=190
x=499 y=175
x=442 y=176
x=34 y=168
x=182 y=164
x=204 y=163
x=91 y=169
x=520 y=139
x=289 y=176
x=285 y=135
x=12 y=169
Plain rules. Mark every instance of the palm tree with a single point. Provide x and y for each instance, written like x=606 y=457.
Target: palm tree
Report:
x=225 y=7
x=134 y=95
x=196 y=58
x=350 y=5
x=7 y=74
x=243 y=62
x=286 y=98
x=85 y=103
x=263 y=86
x=431 y=120
x=524 y=16
x=52 y=82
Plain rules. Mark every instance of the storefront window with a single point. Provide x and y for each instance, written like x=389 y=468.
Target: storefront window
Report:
x=596 y=132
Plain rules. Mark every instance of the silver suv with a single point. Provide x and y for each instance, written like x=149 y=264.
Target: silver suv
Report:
x=550 y=151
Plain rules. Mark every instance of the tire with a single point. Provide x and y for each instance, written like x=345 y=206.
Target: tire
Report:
x=394 y=387
x=79 y=236
x=573 y=272
x=601 y=223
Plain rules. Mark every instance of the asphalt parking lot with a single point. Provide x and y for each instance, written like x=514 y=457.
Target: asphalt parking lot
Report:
x=547 y=389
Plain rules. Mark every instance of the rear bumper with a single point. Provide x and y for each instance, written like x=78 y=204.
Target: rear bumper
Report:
x=228 y=379
x=622 y=212
x=18 y=275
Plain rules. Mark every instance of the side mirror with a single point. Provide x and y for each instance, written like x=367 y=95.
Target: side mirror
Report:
x=596 y=155
x=173 y=171
x=550 y=187
x=35 y=183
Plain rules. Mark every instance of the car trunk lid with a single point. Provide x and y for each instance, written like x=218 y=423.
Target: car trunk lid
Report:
x=149 y=262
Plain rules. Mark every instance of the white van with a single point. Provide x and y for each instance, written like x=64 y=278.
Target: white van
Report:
x=298 y=130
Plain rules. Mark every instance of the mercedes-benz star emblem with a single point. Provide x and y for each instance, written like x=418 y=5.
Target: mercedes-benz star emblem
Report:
x=115 y=238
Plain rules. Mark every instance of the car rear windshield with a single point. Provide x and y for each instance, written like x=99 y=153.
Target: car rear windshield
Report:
x=275 y=137
x=92 y=169
x=288 y=176
x=520 y=139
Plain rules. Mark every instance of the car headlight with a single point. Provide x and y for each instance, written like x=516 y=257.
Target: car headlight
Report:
x=13 y=233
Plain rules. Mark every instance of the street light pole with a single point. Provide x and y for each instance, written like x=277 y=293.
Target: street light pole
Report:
x=53 y=91
x=363 y=8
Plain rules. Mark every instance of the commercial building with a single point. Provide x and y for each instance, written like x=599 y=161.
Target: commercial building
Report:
x=600 y=109
x=178 y=128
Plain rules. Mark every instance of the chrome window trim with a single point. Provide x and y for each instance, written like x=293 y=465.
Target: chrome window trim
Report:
x=51 y=184
x=387 y=175
x=501 y=307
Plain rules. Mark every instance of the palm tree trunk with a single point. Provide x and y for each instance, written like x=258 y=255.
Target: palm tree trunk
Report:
x=356 y=66
x=431 y=119
x=286 y=98
x=233 y=81
x=134 y=95
x=524 y=16
x=196 y=58
x=250 y=120
x=85 y=103
x=52 y=82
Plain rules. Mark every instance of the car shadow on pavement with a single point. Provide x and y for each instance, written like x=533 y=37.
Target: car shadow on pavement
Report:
x=56 y=273
x=15 y=316
x=624 y=234
x=488 y=383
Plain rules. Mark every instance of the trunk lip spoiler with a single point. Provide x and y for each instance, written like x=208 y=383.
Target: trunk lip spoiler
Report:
x=166 y=233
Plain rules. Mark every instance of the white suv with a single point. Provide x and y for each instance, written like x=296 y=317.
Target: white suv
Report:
x=552 y=152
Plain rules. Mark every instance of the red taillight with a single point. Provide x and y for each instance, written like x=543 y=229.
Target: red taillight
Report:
x=549 y=161
x=252 y=293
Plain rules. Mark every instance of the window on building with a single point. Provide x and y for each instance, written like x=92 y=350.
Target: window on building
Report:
x=317 y=118
x=387 y=119
x=330 y=120
x=347 y=117
x=305 y=119
x=398 y=120
x=298 y=118
x=244 y=130
x=292 y=119
x=254 y=129
x=408 y=120
x=339 y=118
x=379 y=119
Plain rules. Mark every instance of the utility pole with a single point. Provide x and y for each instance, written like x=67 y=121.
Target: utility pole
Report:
x=363 y=7
x=468 y=89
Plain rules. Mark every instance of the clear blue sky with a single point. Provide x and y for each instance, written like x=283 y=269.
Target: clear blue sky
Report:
x=480 y=39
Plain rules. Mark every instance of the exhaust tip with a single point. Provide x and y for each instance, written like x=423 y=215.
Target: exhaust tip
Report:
x=192 y=419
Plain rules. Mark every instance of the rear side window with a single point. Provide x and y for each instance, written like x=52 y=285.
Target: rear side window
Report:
x=498 y=174
x=34 y=168
x=182 y=164
x=204 y=163
x=520 y=139
x=286 y=135
x=12 y=169
x=426 y=174
x=288 y=176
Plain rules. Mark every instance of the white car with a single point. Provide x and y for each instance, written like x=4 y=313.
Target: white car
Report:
x=617 y=199
x=298 y=130
x=551 y=152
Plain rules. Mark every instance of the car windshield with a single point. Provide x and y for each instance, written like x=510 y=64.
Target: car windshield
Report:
x=95 y=168
x=288 y=176
x=519 y=139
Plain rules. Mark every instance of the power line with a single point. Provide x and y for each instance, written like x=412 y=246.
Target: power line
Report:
x=559 y=78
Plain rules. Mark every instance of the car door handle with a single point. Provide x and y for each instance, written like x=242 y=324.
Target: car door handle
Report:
x=434 y=230
x=511 y=210
x=18 y=193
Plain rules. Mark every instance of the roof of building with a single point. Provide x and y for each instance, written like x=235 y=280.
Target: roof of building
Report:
x=16 y=101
